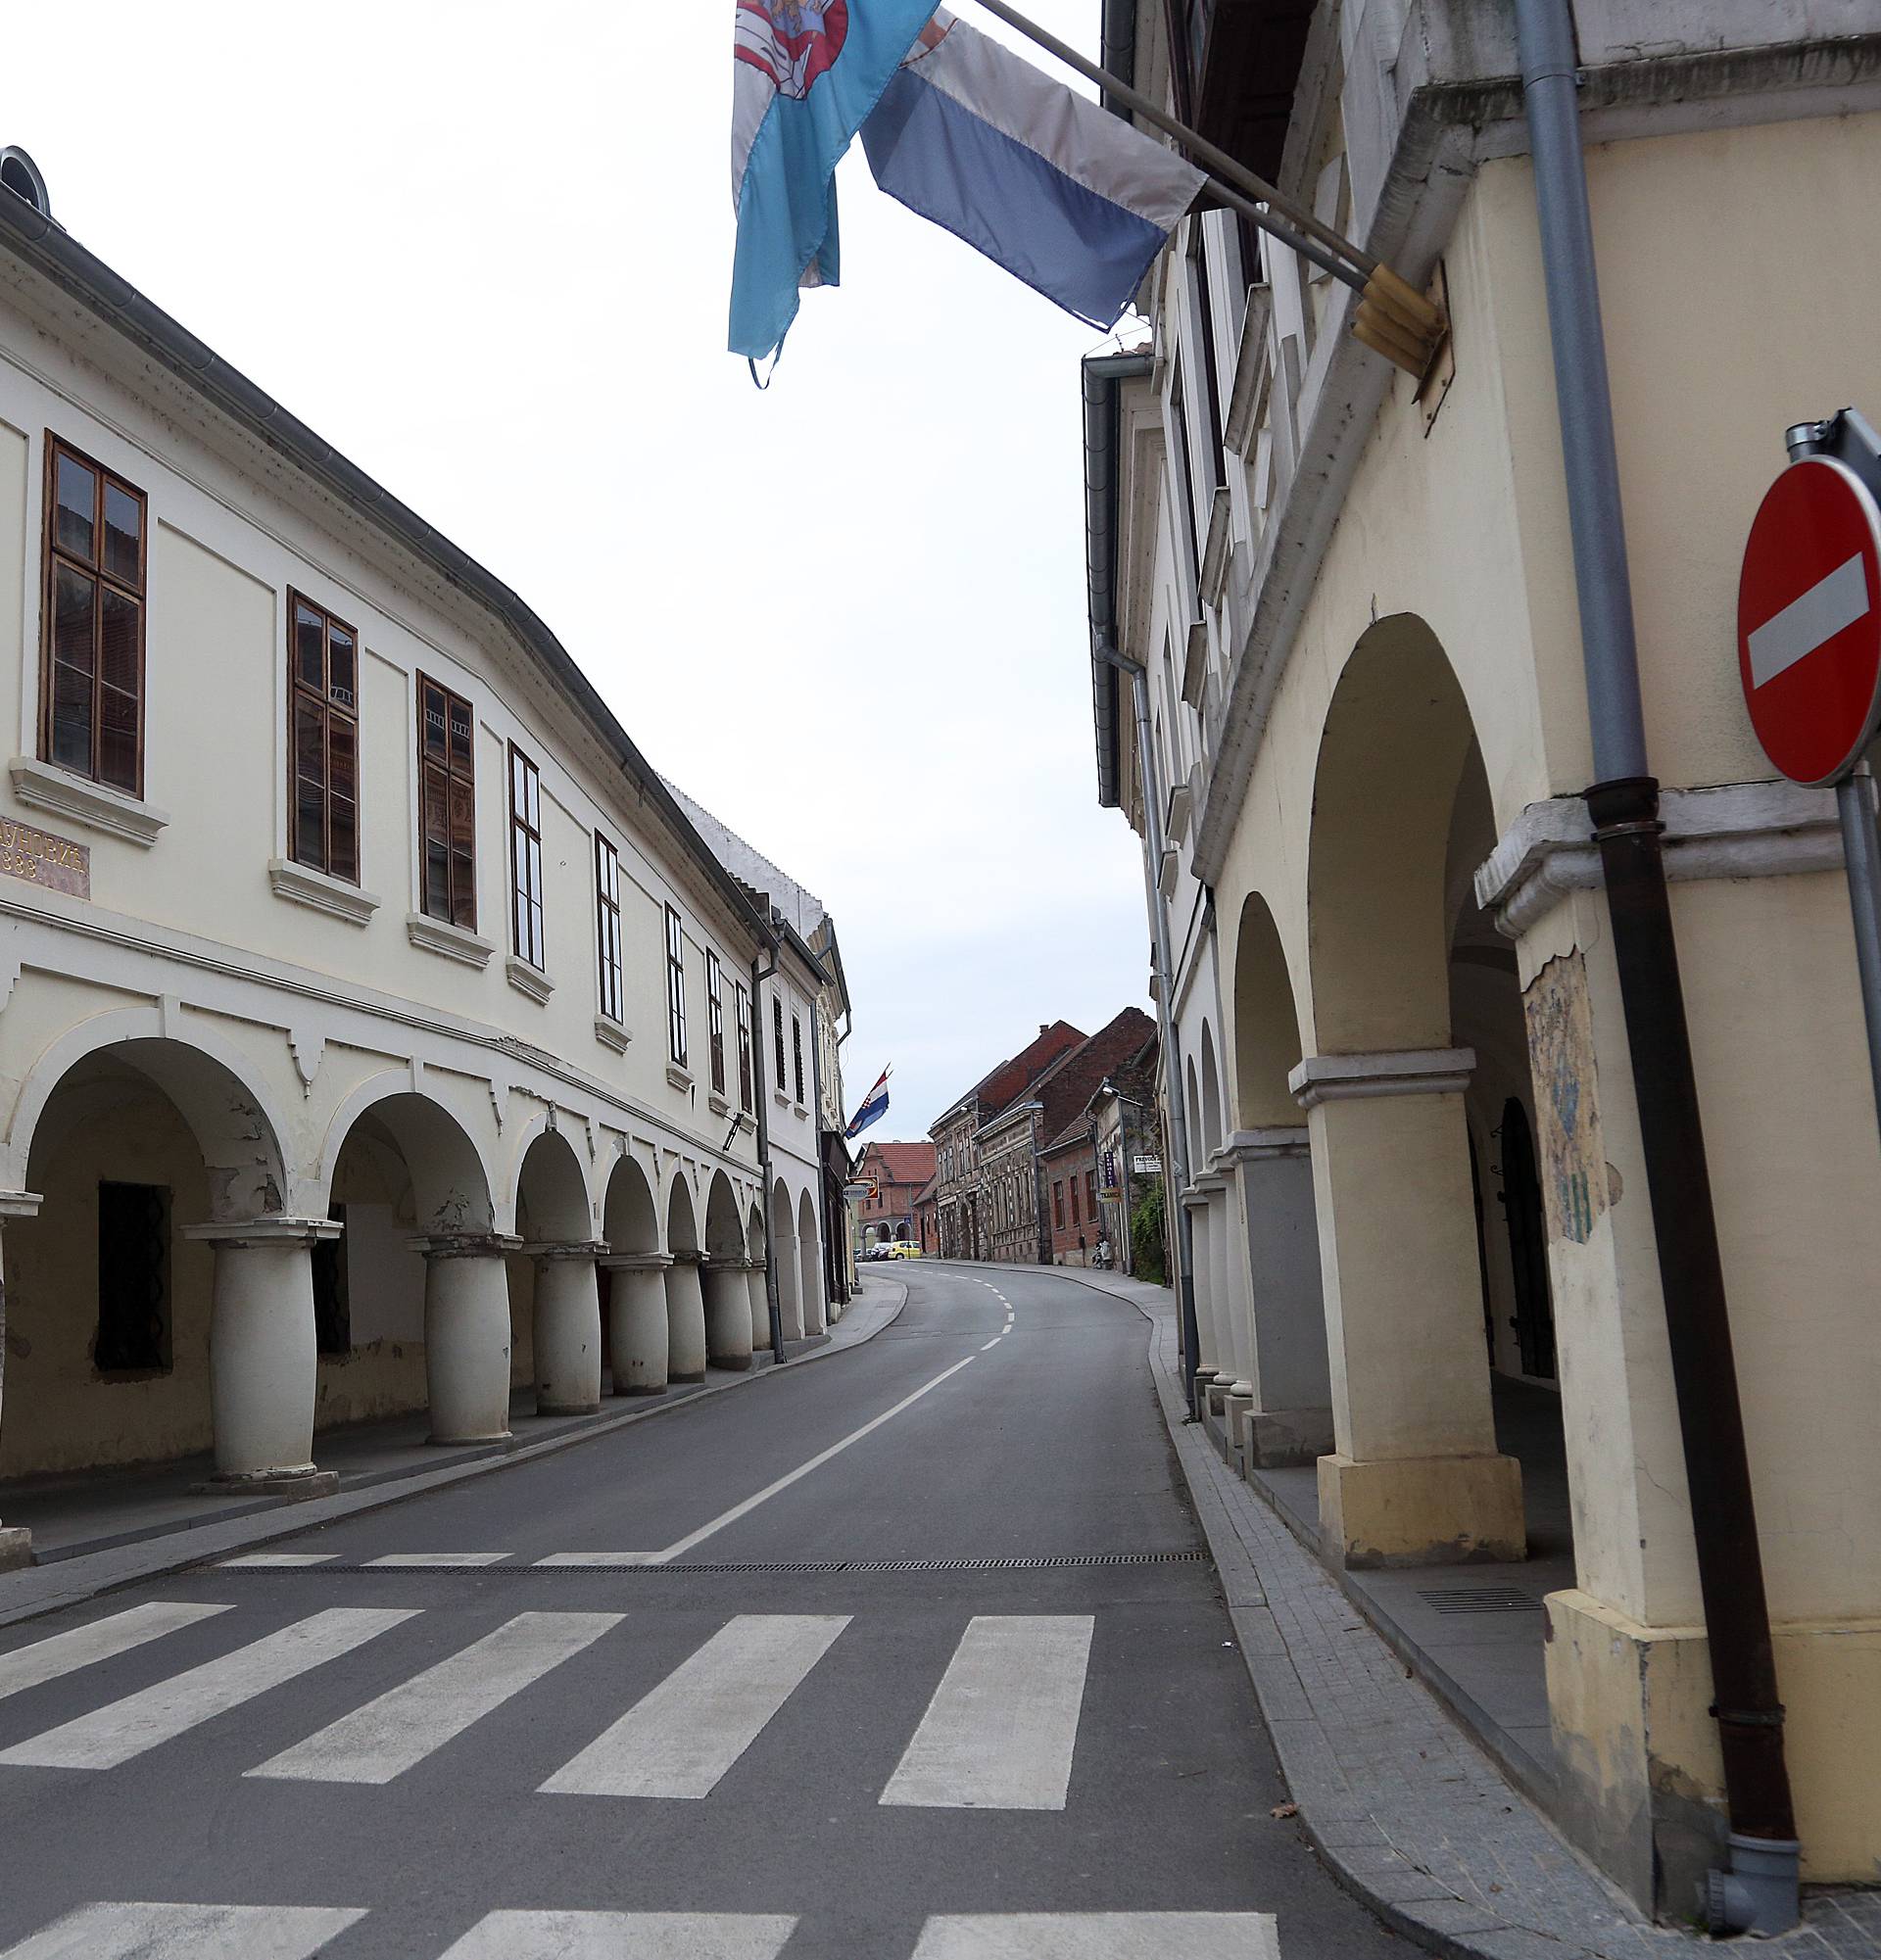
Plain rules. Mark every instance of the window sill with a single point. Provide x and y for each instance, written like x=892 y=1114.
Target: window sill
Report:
x=438 y=936
x=82 y=801
x=779 y=1099
x=680 y=1078
x=611 y=1034
x=801 y=1110
x=302 y=885
x=717 y=1104
x=747 y=1122
x=527 y=979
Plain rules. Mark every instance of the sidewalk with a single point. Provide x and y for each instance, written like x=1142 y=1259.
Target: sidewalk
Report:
x=1406 y=1811
x=94 y=1534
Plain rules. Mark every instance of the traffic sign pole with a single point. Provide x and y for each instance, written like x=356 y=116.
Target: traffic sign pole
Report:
x=1862 y=850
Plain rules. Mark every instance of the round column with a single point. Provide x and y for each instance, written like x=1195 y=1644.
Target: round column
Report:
x=637 y=1322
x=1237 y=1327
x=1207 y=1352
x=760 y=1302
x=728 y=1313
x=790 y=1287
x=685 y=1318
x=263 y=1361
x=567 y=1329
x=15 y=1541
x=466 y=1336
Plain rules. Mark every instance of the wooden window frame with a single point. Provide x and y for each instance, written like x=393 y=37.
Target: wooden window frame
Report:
x=675 y=986
x=1058 y=1205
x=525 y=864
x=321 y=700
x=797 y=1057
x=745 y=1082
x=716 y=1018
x=52 y=556
x=610 y=976
x=777 y=1040
x=1090 y=1196
x=452 y=773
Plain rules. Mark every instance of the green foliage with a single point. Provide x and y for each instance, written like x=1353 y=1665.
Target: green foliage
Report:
x=1149 y=1256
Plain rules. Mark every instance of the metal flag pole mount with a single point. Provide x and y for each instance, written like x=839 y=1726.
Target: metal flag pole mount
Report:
x=1393 y=318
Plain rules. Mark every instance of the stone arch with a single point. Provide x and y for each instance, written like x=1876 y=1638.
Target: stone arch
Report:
x=212 y=1085
x=809 y=1257
x=724 y=1237
x=630 y=1218
x=1267 y=1024
x=682 y=1220
x=788 y=1262
x=755 y=1231
x=1211 y=1093
x=1192 y=1121
x=452 y=1185
x=550 y=1188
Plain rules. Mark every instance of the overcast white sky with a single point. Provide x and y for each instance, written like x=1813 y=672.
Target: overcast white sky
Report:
x=485 y=250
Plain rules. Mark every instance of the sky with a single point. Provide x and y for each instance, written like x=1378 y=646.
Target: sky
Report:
x=489 y=261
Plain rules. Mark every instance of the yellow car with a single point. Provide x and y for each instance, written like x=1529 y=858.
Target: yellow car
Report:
x=907 y=1249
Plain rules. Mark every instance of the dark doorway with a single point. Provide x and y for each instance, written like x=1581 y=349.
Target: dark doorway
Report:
x=1522 y=1207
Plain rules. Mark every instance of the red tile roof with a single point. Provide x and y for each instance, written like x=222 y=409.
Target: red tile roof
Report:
x=899 y=1163
x=1006 y=1083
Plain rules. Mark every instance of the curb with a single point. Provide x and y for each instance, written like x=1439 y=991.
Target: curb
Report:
x=72 y=1581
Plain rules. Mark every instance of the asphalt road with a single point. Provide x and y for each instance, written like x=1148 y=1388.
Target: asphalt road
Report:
x=858 y=1717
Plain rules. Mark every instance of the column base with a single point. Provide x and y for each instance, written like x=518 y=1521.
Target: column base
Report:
x=16 y=1548
x=454 y=1442
x=293 y=1483
x=733 y=1364
x=1235 y=1410
x=1421 y=1510
x=1641 y=1780
x=686 y=1380
x=1279 y=1439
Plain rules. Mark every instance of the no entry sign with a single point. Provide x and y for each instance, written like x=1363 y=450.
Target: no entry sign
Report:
x=1809 y=620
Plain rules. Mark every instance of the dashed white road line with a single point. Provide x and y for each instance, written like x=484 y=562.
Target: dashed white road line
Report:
x=420 y=1559
x=285 y=1560
x=993 y=1343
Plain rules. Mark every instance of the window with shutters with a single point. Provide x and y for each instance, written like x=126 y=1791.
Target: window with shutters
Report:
x=447 y=805
x=797 y=1056
x=777 y=1040
x=92 y=649
x=675 y=987
x=133 y=1279
x=324 y=740
x=744 y=1049
x=525 y=858
x=608 y=926
x=716 y=1019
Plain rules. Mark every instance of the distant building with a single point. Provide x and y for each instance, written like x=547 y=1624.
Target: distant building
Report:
x=899 y=1172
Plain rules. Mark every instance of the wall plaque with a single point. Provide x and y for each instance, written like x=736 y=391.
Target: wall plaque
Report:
x=41 y=858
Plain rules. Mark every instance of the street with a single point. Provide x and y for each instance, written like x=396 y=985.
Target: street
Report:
x=912 y=1651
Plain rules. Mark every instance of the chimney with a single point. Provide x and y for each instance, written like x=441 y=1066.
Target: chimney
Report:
x=1045 y=1028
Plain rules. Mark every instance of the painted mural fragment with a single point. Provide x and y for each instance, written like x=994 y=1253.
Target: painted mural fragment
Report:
x=1561 y=1044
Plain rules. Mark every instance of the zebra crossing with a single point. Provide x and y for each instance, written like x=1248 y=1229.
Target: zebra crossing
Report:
x=999 y=1733
x=164 y=1931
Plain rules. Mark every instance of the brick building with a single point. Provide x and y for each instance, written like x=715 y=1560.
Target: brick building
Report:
x=899 y=1172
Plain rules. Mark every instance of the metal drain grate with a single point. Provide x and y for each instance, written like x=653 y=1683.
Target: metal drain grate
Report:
x=522 y=1568
x=1479 y=1600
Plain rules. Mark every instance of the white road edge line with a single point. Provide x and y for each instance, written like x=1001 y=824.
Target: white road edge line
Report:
x=816 y=1463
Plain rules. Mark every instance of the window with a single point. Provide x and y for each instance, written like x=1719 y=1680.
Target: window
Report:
x=323 y=734
x=797 y=1056
x=133 y=1279
x=447 y=805
x=744 y=1049
x=1058 y=1205
x=1090 y=1196
x=525 y=857
x=777 y=1040
x=675 y=987
x=716 y=1019
x=92 y=673
x=1074 y=1200
x=332 y=1309
x=608 y=926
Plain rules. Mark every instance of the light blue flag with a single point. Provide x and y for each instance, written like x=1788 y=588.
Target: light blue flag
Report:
x=806 y=73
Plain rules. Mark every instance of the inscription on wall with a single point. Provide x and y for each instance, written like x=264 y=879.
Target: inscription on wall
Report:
x=41 y=858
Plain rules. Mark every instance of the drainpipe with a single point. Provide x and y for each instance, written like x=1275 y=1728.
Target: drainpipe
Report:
x=759 y=1097
x=1178 y=1182
x=1759 y=1893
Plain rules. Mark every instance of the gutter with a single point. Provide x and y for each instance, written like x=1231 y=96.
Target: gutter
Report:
x=49 y=249
x=1103 y=376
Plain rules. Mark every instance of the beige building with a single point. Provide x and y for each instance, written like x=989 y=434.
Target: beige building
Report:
x=1430 y=1292
x=374 y=1025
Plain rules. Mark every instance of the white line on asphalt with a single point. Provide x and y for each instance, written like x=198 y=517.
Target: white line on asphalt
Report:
x=65 y=1652
x=680 y=1738
x=993 y=1343
x=624 y=1935
x=1101 y=1935
x=596 y=1558
x=113 y=1734
x=439 y=1559
x=403 y=1726
x=164 y=1932
x=284 y=1560
x=1809 y=621
x=1003 y=1726
x=802 y=1470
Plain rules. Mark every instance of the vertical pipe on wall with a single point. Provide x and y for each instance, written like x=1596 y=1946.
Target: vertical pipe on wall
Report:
x=765 y=1153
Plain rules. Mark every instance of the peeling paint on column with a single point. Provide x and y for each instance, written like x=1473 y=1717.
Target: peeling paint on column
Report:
x=1561 y=1048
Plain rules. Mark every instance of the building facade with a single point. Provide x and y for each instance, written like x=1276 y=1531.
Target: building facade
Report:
x=371 y=1012
x=899 y=1172
x=1418 y=1186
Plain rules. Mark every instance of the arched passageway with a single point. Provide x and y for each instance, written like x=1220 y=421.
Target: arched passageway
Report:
x=633 y=1282
x=786 y=1263
x=685 y=1291
x=756 y=1277
x=556 y=1270
x=728 y=1294
x=809 y=1255
x=1212 y=1373
x=1415 y=1477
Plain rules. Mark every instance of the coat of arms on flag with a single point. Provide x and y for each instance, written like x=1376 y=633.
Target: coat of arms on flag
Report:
x=793 y=41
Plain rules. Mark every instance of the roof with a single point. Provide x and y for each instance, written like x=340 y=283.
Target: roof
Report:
x=1066 y=1089
x=803 y=910
x=904 y=1163
x=1005 y=1084
x=45 y=246
x=925 y=1196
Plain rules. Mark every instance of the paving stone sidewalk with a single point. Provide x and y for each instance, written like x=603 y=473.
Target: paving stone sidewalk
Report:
x=1408 y=1813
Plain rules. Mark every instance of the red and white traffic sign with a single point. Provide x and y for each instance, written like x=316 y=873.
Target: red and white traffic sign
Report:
x=1809 y=620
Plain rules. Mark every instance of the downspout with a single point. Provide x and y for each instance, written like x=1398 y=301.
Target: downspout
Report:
x=1761 y=1893
x=824 y=1221
x=764 y=1152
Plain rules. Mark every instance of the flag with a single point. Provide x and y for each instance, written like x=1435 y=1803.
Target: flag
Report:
x=873 y=1105
x=1045 y=182
x=805 y=74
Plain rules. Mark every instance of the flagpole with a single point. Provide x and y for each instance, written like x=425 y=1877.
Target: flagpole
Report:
x=1395 y=320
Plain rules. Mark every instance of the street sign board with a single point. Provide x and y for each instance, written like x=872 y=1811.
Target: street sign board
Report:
x=856 y=1192
x=1809 y=620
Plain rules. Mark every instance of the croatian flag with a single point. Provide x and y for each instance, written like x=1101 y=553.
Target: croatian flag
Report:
x=1046 y=182
x=873 y=1105
x=805 y=76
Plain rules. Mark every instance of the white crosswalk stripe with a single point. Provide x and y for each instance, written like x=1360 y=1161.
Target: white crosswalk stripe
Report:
x=282 y=1561
x=403 y=1726
x=113 y=1734
x=1100 y=1935
x=1002 y=1727
x=683 y=1736
x=624 y=1935
x=67 y=1652
x=162 y=1931
x=423 y=1558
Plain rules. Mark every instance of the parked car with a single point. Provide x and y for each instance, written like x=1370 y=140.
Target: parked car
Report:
x=906 y=1249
